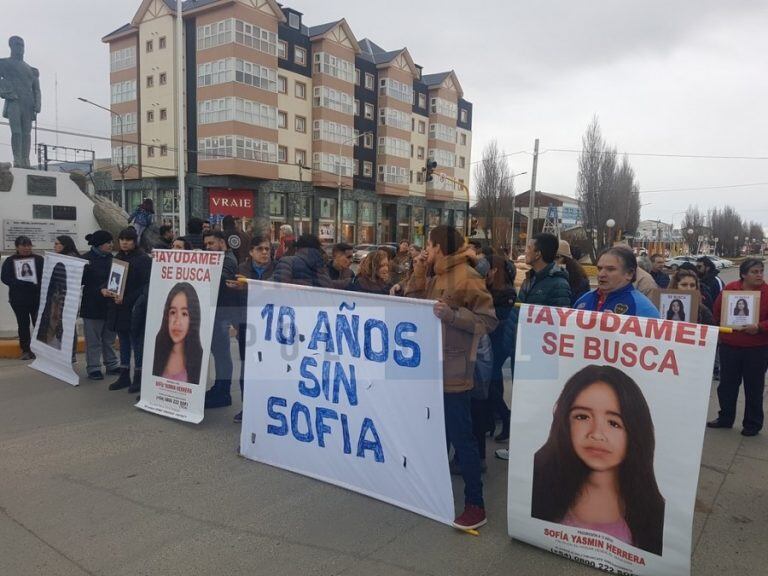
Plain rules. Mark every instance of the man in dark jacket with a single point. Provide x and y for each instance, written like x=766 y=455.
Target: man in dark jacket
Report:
x=339 y=268
x=123 y=314
x=99 y=339
x=306 y=267
x=237 y=240
x=259 y=266
x=657 y=271
x=23 y=290
x=195 y=233
x=708 y=276
x=165 y=238
x=227 y=307
x=546 y=283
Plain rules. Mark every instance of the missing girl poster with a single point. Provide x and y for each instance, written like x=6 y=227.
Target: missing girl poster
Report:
x=607 y=427
x=54 y=337
x=183 y=289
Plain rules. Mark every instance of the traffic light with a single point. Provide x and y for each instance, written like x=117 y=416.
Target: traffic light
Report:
x=431 y=165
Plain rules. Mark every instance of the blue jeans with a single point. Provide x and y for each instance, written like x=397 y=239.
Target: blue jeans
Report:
x=220 y=348
x=131 y=340
x=458 y=432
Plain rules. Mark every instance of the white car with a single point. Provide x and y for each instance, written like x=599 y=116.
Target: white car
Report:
x=362 y=250
x=721 y=263
x=674 y=263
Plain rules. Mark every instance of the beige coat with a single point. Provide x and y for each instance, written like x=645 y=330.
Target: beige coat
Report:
x=646 y=285
x=457 y=284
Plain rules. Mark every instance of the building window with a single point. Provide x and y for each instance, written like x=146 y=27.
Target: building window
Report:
x=332 y=163
x=422 y=127
x=444 y=158
x=214 y=34
x=238 y=109
x=419 y=177
x=282 y=119
x=161 y=43
x=331 y=132
x=300 y=157
x=282 y=154
x=410 y=178
x=464 y=116
x=123 y=91
x=301 y=124
x=299 y=56
x=150 y=81
x=218 y=147
x=282 y=85
x=163 y=78
x=150 y=46
x=411 y=150
x=357 y=76
x=300 y=90
x=122 y=59
x=282 y=49
x=370 y=82
x=463 y=139
x=443 y=107
x=150 y=115
x=130 y=152
x=124 y=124
x=369 y=111
x=442 y=132
x=420 y=153
x=326 y=63
x=150 y=151
x=368 y=140
x=326 y=97
x=356 y=168
x=462 y=162
x=294 y=21
x=392 y=175
x=397 y=90
x=394 y=118
x=163 y=114
x=422 y=101
x=393 y=147
x=367 y=169
x=357 y=107
x=163 y=150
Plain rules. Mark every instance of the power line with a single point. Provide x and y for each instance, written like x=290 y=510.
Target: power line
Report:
x=659 y=155
x=724 y=187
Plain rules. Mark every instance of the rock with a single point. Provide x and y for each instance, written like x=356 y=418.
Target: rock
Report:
x=109 y=215
x=6 y=177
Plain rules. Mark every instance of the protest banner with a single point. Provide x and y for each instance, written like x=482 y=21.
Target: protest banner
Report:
x=183 y=289
x=54 y=337
x=607 y=428
x=347 y=388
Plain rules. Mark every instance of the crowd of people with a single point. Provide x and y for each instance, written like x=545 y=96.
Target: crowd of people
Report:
x=475 y=292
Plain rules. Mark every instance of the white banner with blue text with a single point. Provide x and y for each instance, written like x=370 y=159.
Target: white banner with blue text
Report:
x=347 y=388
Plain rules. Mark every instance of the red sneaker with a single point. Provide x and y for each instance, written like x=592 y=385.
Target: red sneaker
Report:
x=472 y=517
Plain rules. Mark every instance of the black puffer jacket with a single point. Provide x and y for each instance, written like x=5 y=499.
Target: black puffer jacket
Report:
x=136 y=286
x=19 y=291
x=549 y=287
x=306 y=267
x=95 y=276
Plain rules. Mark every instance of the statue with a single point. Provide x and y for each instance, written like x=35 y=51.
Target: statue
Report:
x=20 y=87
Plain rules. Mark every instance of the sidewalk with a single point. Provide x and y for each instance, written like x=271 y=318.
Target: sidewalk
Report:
x=90 y=485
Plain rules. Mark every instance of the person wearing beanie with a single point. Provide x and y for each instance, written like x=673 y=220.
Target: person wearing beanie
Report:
x=99 y=338
x=23 y=290
x=126 y=315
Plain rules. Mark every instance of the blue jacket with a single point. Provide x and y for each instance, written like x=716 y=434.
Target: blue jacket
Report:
x=625 y=301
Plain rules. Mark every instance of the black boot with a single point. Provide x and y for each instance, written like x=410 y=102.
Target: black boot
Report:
x=136 y=384
x=218 y=396
x=123 y=381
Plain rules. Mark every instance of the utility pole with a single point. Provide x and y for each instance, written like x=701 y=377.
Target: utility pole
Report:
x=180 y=148
x=531 y=199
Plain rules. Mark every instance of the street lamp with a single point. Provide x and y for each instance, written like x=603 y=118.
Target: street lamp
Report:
x=689 y=232
x=514 y=197
x=610 y=223
x=338 y=202
x=736 y=245
x=121 y=168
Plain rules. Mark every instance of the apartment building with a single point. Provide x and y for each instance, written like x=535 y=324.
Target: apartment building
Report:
x=280 y=115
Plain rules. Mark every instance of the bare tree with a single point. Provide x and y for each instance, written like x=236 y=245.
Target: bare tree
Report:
x=696 y=222
x=728 y=227
x=606 y=190
x=495 y=194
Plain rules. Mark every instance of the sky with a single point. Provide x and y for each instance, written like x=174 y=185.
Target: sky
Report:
x=679 y=86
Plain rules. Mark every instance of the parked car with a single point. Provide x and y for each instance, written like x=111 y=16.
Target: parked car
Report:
x=674 y=263
x=361 y=251
x=721 y=263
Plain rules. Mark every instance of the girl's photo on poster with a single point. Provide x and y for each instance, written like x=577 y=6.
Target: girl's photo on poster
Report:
x=25 y=270
x=51 y=327
x=178 y=348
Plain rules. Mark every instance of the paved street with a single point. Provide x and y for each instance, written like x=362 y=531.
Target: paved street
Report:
x=90 y=485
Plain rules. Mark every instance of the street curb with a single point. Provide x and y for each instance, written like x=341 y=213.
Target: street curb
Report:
x=10 y=349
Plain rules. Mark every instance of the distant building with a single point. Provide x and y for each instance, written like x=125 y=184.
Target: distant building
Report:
x=567 y=208
x=278 y=112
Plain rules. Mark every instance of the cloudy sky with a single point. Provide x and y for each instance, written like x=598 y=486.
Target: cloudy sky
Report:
x=669 y=81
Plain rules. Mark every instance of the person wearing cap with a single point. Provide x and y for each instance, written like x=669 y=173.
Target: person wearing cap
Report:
x=99 y=338
x=126 y=315
x=23 y=294
x=577 y=277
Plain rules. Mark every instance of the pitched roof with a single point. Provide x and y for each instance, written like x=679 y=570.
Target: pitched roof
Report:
x=559 y=197
x=313 y=31
x=435 y=79
x=122 y=30
x=367 y=45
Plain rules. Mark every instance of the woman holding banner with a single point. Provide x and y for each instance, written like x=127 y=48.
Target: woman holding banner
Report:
x=616 y=271
x=596 y=469
x=178 y=351
x=744 y=356
x=373 y=277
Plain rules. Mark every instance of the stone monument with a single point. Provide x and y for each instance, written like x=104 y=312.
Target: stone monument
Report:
x=20 y=88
